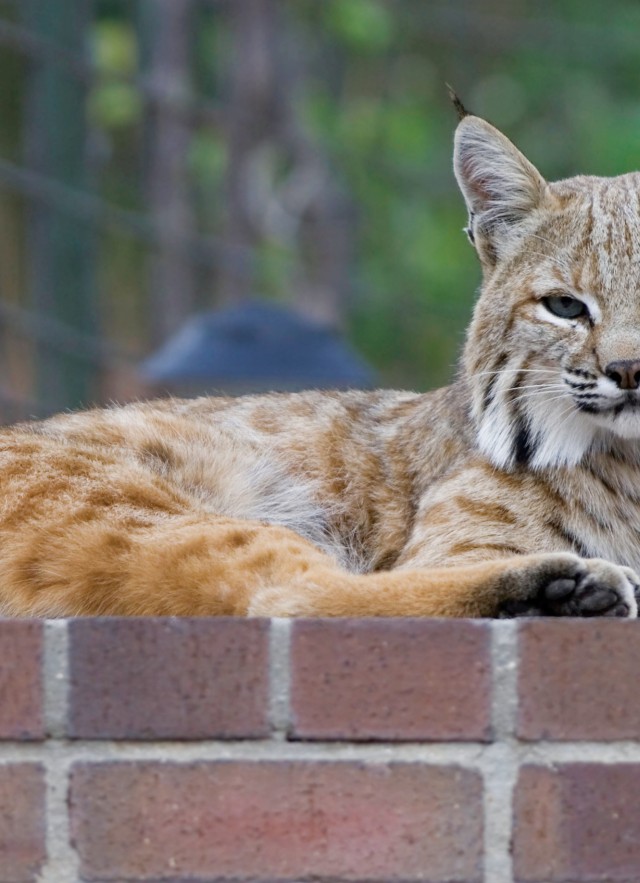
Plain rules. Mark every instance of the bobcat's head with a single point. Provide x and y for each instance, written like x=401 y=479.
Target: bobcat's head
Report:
x=553 y=352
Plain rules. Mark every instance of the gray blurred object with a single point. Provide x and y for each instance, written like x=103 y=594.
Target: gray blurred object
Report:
x=254 y=347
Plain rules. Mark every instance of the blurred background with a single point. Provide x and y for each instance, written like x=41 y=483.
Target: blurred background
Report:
x=242 y=194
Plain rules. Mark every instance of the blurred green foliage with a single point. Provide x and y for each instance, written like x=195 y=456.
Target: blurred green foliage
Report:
x=114 y=102
x=561 y=78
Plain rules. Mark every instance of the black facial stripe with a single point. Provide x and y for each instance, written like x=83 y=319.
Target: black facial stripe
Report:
x=491 y=385
x=589 y=385
x=612 y=410
x=580 y=373
x=523 y=445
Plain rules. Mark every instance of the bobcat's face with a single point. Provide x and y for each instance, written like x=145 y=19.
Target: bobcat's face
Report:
x=553 y=352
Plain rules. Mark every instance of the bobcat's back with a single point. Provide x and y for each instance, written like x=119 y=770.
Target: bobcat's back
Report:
x=345 y=470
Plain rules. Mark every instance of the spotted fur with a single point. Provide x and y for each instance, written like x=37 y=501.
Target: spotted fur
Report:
x=514 y=491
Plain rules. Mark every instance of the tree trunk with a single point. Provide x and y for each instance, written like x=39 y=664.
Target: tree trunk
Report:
x=165 y=34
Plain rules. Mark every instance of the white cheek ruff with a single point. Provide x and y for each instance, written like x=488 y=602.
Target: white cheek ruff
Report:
x=495 y=440
x=558 y=434
x=561 y=434
x=539 y=432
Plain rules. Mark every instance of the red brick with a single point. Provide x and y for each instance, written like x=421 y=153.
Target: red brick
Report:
x=22 y=822
x=21 y=715
x=391 y=679
x=579 y=680
x=169 y=678
x=577 y=822
x=277 y=821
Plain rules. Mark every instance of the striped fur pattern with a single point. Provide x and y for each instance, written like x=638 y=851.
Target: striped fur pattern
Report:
x=515 y=491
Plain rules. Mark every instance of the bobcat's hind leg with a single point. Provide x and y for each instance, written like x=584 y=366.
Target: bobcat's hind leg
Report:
x=181 y=565
x=559 y=584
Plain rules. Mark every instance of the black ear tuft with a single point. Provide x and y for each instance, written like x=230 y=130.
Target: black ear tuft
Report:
x=461 y=110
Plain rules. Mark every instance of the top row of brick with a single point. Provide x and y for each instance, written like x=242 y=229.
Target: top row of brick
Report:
x=352 y=680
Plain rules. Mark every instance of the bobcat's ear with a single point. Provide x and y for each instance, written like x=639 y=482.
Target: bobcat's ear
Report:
x=500 y=186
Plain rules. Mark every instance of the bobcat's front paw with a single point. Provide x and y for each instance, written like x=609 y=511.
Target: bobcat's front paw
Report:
x=566 y=585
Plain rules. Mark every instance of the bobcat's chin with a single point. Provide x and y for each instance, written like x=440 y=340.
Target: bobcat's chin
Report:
x=623 y=423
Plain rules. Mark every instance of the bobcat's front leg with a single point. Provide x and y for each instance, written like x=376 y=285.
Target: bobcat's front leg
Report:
x=559 y=584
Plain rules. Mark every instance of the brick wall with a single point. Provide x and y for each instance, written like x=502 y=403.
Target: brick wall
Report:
x=372 y=750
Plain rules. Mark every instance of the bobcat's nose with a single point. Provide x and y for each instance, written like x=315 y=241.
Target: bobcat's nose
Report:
x=625 y=373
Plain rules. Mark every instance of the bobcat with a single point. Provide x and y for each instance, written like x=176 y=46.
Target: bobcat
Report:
x=514 y=491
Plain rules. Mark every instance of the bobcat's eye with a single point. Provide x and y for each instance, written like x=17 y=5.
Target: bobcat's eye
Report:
x=565 y=306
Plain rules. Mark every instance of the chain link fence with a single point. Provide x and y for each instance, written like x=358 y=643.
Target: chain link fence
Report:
x=138 y=185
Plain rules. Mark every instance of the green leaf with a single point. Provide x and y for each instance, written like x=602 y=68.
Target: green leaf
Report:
x=114 y=47
x=365 y=25
x=114 y=105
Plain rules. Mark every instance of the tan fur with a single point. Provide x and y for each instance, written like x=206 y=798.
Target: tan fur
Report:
x=516 y=490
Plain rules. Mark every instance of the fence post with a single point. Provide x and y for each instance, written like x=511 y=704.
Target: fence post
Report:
x=164 y=37
x=60 y=275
